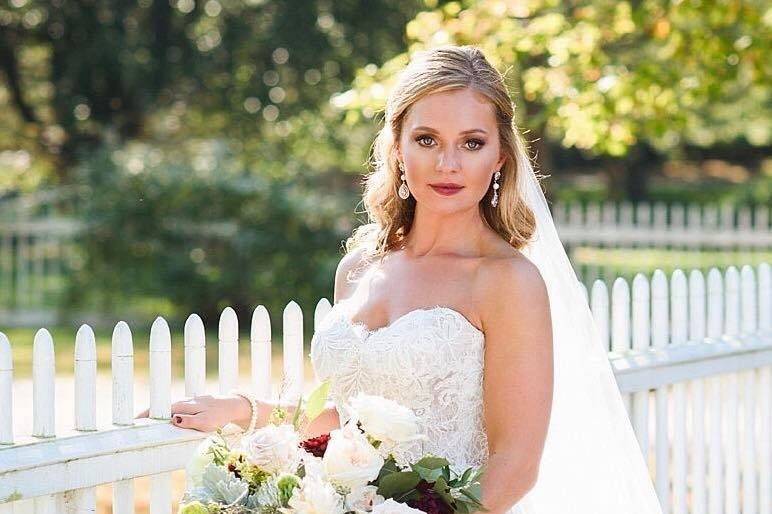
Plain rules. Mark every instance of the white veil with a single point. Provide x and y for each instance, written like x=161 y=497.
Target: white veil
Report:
x=592 y=462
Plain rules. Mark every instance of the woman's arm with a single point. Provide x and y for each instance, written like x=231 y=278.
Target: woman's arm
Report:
x=518 y=378
x=326 y=422
x=207 y=413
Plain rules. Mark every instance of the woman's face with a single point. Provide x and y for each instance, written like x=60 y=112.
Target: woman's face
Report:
x=450 y=138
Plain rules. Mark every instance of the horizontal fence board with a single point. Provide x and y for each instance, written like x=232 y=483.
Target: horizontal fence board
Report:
x=93 y=459
x=653 y=367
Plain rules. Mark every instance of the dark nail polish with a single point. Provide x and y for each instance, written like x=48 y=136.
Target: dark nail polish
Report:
x=177 y=419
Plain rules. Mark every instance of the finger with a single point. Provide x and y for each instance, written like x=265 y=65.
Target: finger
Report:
x=186 y=407
x=145 y=413
x=191 y=421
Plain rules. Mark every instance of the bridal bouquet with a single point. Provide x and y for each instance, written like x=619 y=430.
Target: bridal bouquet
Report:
x=351 y=470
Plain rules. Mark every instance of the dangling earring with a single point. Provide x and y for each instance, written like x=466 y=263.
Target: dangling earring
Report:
x=495 y=199
x=404 y=192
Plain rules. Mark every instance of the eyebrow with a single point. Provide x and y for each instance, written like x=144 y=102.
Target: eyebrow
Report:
x=429 y=129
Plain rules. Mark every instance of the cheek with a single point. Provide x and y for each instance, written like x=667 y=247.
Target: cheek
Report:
x=419 y=161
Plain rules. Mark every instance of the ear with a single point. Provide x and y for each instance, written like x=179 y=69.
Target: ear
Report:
x=501 y=161
x=398 y=153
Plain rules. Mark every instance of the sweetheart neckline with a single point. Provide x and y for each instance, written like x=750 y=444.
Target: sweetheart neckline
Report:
x=370 y=332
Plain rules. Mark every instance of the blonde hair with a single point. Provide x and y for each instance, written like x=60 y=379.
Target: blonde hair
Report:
x=441 y=69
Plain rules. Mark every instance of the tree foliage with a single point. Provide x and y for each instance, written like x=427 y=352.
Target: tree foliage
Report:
x=193 y=113
x=627 y=84
x=77 y=75
x=604 y=76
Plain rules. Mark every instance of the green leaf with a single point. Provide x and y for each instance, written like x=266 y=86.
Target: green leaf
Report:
x=473 y=492
x=431 y=462
x=316 y=400
x=396 y=484
x=477 y=474
x=296 y=417
x=462 y=508
x=441 y=488
x=413 y=494
x=391 y=464
x=430 y=475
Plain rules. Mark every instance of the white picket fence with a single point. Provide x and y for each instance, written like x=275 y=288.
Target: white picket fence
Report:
x=663 y=225
x=37 y=234
x=692 y=356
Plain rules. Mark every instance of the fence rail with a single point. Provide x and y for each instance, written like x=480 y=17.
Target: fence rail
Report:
x=39 y=250
x=692 y=356
x=663 y=225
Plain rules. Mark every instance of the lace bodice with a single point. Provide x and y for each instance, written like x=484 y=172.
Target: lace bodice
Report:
x=430 y=360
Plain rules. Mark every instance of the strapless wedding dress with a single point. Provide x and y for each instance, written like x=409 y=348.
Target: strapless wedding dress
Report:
x=429 y=359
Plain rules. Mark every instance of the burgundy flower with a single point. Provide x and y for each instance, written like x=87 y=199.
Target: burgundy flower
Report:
x=316 y=446
x=232 y=469
x=429 y=502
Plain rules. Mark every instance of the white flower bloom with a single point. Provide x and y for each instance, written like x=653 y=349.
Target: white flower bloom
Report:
x=194 y=469
x=350 y=459
x=314 y=466
x=315 y=496
x=392 y=507
x=363 y=499
x=273 y=448
x=385 y=420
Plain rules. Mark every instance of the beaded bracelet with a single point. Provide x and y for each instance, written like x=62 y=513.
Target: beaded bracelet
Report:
x=253 y=404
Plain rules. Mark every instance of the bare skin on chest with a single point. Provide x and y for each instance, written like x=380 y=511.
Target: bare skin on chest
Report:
x=388 y=290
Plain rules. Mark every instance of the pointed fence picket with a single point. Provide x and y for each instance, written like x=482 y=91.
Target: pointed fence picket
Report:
x=692 y=356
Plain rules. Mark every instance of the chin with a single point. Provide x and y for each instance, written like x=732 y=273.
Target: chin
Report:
x=447 y=205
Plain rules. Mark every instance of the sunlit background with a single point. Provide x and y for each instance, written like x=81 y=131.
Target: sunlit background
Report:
x=165 y=157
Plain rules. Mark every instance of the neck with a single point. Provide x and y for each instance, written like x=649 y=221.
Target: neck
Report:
x=460 y=233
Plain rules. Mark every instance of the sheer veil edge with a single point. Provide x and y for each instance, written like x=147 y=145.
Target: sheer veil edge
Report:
x=592 y=462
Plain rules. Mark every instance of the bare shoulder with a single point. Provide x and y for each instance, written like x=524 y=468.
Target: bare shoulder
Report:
x=347 y=272
x=518 y=371
x=510 y=287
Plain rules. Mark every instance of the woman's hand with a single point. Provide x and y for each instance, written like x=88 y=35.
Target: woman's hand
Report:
x=206 y=413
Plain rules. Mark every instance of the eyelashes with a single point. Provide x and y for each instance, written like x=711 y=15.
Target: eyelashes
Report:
x=478 y=143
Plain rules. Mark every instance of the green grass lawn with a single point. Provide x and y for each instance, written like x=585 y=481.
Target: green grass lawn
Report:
x=609 y=263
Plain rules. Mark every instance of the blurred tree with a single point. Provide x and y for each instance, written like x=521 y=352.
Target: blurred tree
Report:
x=626 y=81
x=79 y=74
x=217 y=171
x=172 y=239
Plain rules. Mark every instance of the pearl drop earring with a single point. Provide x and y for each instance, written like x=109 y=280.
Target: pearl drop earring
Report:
x=404 y=192
x=495 y=199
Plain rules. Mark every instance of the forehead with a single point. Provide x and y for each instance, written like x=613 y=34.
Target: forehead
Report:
x=461 y=108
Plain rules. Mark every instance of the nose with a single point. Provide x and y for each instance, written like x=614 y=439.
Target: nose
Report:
x=448 y=160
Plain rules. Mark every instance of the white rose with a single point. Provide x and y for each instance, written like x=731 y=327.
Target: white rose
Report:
x=363 y=499
x=194 y=469
x=273 y=448
x=350 y=459
x=313 y=466
x=392 y=507
x=385 y=420
x=315 y=496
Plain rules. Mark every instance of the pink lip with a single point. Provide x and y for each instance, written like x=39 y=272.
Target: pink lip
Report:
x=446 y=189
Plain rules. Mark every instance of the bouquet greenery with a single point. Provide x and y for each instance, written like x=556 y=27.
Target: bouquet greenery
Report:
x=351 y=470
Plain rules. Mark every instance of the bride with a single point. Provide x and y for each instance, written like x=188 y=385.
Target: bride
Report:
x=458 y=301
